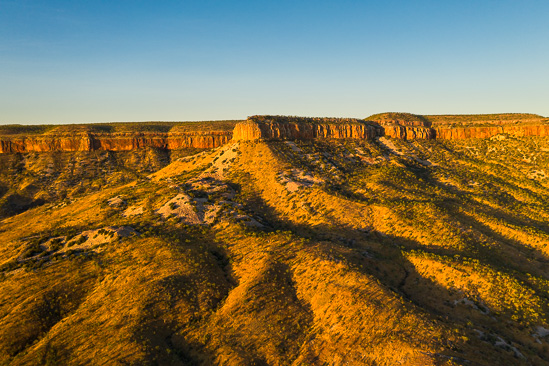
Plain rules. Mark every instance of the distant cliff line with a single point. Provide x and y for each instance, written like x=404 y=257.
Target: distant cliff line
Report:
x=120 y=136
x=206 y=135
x=86 y=141
x=396 y=125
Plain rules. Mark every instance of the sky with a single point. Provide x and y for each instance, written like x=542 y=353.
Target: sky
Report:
x=101 y=61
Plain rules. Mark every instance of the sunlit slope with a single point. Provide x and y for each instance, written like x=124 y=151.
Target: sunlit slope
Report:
x=32 y=179
x=272 y=253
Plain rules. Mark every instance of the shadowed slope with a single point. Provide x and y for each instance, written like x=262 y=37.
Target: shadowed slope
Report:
x=313 y=252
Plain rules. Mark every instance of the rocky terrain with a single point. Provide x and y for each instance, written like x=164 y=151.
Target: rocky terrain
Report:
x=301 y=241
x=396 y=125
x=269 y=127
x=89 y=141
x=31 y=179
x=40 y=164
x=179 y=136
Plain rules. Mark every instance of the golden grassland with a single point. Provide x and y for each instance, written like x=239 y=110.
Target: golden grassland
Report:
x=328 y=253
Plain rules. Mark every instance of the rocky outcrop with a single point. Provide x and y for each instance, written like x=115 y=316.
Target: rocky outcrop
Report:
x=247 y=130
x=41 y=143
x=304 y=130
x=409 y=133
x=111 y=141
x=404 y=126
x=298 y=130
x=390 y=125
x=453 y=133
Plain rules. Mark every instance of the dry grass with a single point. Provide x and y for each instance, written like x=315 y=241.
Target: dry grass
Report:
x=383 y=260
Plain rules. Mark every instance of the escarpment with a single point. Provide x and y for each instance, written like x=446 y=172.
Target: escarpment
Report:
x=409 y=133
x=302 y=128
x=112 y=141
x=292 y=128
x=207 y=135
x=404 y=126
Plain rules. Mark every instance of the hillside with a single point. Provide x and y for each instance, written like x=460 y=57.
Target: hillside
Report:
x=32 y=179
x=358 y=251
x=49 y=163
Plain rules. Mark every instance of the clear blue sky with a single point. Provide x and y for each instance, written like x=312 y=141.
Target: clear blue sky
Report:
x=93 y=61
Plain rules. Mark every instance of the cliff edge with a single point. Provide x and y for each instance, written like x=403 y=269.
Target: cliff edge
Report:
x=292 y=128
x=404 y=126
x=115 y=136
x=207 y=135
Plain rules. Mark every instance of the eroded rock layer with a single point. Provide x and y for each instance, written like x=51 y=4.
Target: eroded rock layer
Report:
x=396 y=125
x=251 y=130
x=409 y=133
x=207 y=135
x=84 y=141
x=260 y=127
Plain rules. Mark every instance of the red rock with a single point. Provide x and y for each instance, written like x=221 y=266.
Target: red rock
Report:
x=251 y=130
x=111 y=142
x=257 y=128
x=409 y=133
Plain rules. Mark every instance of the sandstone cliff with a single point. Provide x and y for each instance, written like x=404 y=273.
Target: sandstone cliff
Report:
x=409 y=133
x=411 y=126
x=274 y=127
x=85 y=141
x=210 y=135
x=396 y=125
x=251 y=130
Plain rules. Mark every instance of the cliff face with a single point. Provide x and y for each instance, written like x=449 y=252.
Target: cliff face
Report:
x=111 y=142
x=447 y=133
x=250 y=130
x=40 y=143
x=269 y=129
x=395 y=125
x=409 y=133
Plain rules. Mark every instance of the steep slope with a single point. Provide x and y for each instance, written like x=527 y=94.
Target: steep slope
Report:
x=330 y=251
x=409 y=126
x=32 y=179
x=40 y=164
x=279 y=127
